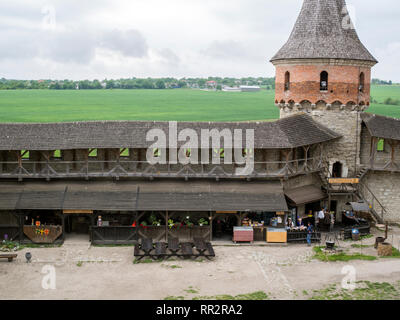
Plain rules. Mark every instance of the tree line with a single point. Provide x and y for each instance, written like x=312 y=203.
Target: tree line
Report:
x=137 y=83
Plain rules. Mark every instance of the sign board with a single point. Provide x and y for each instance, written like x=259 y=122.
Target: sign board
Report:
x=280 y=213
x=344 y=180
x=78 y=212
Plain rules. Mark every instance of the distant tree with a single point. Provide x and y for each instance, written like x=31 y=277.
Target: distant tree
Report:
x=160 y=84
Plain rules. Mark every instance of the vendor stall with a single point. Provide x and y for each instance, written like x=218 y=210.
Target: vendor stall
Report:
x=243 y=234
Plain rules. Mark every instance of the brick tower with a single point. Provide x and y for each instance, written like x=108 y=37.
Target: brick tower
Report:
x=325 y=71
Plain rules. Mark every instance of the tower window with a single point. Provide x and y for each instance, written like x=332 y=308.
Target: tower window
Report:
x=324 y=81
x=287 y=81
x=362 y=82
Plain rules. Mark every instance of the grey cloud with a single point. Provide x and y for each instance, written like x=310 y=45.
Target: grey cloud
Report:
x=225 y=49
x=70 y=46
x=130 y=43
x=169 y=56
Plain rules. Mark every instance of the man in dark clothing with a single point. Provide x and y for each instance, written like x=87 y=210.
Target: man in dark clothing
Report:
x=309 y=233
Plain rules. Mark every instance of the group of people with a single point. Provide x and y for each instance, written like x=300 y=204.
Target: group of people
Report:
x=323 y=217
x=309 y=228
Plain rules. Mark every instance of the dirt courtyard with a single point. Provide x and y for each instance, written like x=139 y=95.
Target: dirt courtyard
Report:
x=87 y=272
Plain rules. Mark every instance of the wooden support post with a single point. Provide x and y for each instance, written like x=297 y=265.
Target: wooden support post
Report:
x=166 y=226
x=373 y=152
x=211 y=226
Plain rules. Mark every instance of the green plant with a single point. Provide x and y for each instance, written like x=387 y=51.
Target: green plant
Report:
x=174 y=298
x=171 y=223
x=324 y=256
x=202 y=222
x=189 y=224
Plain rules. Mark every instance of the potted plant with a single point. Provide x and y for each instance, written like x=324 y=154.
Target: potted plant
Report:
x=171 y=223
x=157 y=223
x=203 y=222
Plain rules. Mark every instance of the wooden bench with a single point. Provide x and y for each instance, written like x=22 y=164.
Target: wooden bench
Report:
x=144 y=249
x=205 y=249
x=9 y=256
x=187 y=250
x=210 y=249
x=160 y=251
x=173 y=246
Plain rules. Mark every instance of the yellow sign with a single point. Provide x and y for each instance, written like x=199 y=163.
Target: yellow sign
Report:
x=78 y=211
x=344 y=181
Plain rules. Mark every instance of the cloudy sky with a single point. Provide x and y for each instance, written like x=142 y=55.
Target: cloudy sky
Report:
x=86 y=39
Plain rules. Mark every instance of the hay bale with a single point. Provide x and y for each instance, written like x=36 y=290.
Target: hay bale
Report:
x=385 y=249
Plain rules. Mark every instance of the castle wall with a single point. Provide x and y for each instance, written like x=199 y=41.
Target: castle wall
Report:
x=345 y=122
x=343 y=84
x=386 y=187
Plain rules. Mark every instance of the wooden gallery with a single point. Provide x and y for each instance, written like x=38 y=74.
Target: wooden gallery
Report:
x=93 y=178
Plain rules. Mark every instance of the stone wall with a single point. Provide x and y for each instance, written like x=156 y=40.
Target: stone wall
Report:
x=386 y=187
x=343 y=121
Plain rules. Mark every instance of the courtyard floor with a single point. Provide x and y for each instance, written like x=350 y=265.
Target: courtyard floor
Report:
x=282 y=272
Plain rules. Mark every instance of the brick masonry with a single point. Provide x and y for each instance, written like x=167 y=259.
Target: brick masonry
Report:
x=343 y=84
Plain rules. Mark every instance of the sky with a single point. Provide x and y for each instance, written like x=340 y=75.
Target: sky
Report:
x=86 y=39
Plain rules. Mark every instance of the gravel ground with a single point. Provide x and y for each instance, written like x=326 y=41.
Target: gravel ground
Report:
x=87 y=272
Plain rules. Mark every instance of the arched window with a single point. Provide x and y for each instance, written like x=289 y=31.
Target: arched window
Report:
x=362 y=82
x=324 y=81
x=287 y=81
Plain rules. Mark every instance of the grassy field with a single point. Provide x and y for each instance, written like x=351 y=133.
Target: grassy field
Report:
x=165 y=105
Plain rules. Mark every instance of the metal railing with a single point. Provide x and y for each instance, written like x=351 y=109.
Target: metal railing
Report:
x=376 y=206
x=126 y=168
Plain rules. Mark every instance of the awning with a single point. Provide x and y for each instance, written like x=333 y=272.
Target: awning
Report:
x=145 y=196
x=359 y=206
x=304 y=195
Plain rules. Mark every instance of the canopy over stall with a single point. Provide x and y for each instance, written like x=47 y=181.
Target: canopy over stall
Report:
x=306 y=194
x=144 y=196
x=359 y=206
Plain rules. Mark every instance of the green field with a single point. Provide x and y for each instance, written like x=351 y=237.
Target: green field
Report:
x=163 y=105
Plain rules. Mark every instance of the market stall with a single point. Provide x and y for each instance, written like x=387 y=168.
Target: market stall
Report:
x=269 y=227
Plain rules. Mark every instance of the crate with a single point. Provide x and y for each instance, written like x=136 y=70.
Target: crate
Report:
x=243 y=235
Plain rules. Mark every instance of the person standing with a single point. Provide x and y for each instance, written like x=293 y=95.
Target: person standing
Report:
x=309 y=233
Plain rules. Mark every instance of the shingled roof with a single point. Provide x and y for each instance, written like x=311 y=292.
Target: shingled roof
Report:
x=382 y=127
x=295 y=131
x=319 y=34
x=144 y=196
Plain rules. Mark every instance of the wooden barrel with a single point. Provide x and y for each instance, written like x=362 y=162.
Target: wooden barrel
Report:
x=378 y=241
x=385 y=249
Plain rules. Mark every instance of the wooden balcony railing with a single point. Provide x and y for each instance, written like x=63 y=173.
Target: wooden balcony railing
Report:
x=124 y=168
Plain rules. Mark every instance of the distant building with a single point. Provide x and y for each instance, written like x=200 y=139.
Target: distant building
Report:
x=231 y=89
x=211 y=84
x=250 y=88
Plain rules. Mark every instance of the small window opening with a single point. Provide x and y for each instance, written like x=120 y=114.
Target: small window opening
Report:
x=324 y=81
x=287 y=81
x=362 y=82
x=381 y=145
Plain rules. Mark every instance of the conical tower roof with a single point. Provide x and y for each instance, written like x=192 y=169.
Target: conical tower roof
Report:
x=324 y=31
